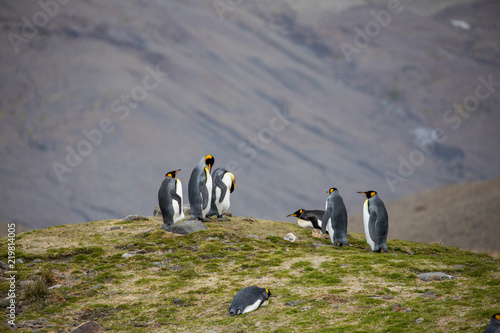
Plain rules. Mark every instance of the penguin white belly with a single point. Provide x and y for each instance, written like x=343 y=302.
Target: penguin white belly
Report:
x=366 y=221
x=304 y=223
x=178 y=213
x=253 y=307
x=330 y=229
x=205 y=210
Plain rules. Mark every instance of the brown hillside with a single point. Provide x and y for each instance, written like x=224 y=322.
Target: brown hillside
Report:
x=463 y=215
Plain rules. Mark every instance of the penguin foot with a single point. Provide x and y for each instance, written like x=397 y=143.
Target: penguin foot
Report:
x=203 y=219
x=222 y=219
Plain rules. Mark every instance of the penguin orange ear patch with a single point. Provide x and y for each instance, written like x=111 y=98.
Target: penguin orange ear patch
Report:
x=497 y=316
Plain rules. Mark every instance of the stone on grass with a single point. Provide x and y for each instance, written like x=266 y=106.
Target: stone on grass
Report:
x=185 y=227
x=88 y=327
x=290 y=237
x=115 y=227
x=435 y=276
x=134 y=217
x=294 y=303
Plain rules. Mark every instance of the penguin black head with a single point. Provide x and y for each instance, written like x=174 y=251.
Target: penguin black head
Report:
x=297 y=213
x=269 y=293
x=209 y=161
x=233 y=183
x=494 y=324
x=368 y=194
x=331 y=190
x=172 y=174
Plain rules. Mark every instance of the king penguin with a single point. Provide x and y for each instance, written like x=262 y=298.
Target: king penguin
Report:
x=223 y=183
x=170 y=199
x=200 y=188
x=494 y=325
x=376 y=222
x=335 y=218
x=249 y=299
x=309 y=218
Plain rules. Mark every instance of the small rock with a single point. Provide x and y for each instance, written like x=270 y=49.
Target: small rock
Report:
x=176 y=267
x=177 y=301
x=115 y=227
x=318 y=245
x=294 y=303
x=419 y=320
x=97 y=286
x=56 y=286
x=435 y=276
x=388 y=296
x=5 y=302
x=147 y=231
x=408 y=310
x=396 y=307
x=429 y=294
x=127 y=255
x=344 y=265
x=185 y=227
x=19 y=261
x=253 y=236
x=37 y=261
x=30 y=265
x=212 y=239
x=228 y=214
x=134 y=217
x=249 y=219
x=88 y=327
x=305 y=308
x=141 y=252
x=24 y=284
x=290 y=237
x=4 y=265
x=459 y=266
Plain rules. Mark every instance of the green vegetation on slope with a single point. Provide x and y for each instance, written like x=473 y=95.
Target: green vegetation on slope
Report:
x=186 y=283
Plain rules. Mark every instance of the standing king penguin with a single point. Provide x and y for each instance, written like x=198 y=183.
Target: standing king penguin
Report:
x=249 y=299
x=223 y=184
x=200 y=188
x=376 y=222
x=494 y=325
x=309 y=218
x=335 y=218
x=170 y=199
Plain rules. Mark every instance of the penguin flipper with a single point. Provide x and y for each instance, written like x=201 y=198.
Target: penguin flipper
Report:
x=176 y=197
x=204 y=194
x=223 y=188
x=326 y=218
x=372 y=225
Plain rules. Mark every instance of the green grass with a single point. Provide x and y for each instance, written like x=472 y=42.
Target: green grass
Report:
x=186 y=283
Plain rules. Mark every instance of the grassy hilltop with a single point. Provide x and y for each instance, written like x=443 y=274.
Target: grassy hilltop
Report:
x=178 y=283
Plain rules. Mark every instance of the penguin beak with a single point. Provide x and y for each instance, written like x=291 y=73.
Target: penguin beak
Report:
x=292 y=215
x=362 y=193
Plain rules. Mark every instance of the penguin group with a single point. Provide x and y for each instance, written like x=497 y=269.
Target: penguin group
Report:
x=333 y=220
x=208 y=194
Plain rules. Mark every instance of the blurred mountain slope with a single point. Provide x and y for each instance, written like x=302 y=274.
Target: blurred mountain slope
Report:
x=263 y=86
